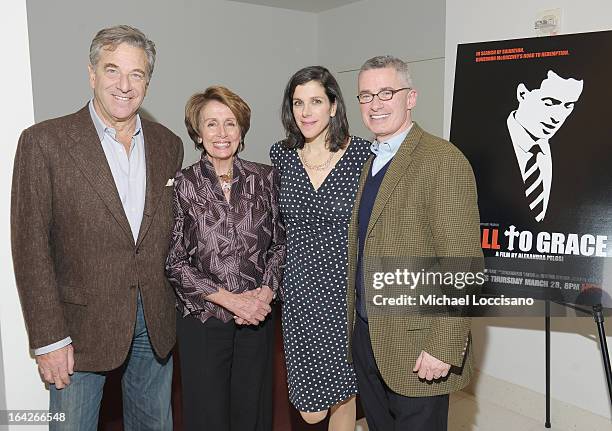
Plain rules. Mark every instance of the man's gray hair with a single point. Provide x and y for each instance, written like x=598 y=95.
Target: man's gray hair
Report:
x=114 y=36
x=384 y=61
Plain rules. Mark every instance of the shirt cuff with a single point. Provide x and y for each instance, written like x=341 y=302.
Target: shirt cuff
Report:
x=52 y=347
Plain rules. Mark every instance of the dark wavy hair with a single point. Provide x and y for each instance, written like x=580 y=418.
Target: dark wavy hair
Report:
x=338 y=130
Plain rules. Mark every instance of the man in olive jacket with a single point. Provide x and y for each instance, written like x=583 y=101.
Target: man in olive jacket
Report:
x=91 y=219
x=416 y=199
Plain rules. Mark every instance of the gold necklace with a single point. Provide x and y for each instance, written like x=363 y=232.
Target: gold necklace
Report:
x=321 y=167
x=226 y=180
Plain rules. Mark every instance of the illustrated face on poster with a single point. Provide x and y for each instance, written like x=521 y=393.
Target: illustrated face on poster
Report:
x=540 y=114
x=542 y=111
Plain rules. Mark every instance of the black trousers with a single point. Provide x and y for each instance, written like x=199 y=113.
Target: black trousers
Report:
x=225 y=373
x=384 y=409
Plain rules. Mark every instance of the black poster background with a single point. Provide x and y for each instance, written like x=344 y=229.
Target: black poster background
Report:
x=580 y=202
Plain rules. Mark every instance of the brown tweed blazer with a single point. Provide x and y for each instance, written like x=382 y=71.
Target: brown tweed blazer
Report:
x=426 y=207
x=77 y=268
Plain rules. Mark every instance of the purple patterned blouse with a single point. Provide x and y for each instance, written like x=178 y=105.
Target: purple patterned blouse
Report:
x=236 y=246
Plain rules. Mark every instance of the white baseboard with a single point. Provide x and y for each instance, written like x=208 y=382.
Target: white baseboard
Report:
x=529 y=403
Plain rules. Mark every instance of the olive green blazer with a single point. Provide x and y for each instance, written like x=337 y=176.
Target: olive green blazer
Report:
x=426 y=207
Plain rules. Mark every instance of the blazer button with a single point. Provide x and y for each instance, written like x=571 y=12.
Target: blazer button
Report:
x=138 y=250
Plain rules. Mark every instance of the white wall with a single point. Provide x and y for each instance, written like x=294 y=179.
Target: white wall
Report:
x=20 y=386
x=252 y=50
x=513 y=349
x=410 y=30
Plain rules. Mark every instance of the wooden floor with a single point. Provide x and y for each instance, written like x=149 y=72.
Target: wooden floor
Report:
x=286 y=418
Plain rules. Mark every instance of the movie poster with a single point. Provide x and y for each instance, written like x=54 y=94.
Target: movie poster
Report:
x=534 y=118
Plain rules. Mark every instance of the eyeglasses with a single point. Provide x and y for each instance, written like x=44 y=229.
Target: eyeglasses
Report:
x=383 y=95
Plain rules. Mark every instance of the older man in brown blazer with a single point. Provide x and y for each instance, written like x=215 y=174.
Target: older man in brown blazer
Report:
x=91 y=220
x=416 y=199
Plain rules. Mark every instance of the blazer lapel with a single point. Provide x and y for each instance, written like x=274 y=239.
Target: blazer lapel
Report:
x=353 y=235
x=156 y=181
x=86 y=150
x=397 y=169
x=365 y=171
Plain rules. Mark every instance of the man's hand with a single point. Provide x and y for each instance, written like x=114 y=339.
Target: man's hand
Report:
x=430 y=368
x=56 y=367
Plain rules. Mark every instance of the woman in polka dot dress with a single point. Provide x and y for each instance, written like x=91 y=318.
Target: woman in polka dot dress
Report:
x=320 y=166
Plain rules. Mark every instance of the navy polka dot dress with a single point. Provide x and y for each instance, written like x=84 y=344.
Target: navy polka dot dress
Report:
x=314 y=307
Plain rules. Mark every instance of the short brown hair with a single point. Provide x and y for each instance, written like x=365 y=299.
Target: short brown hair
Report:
x=198 y=101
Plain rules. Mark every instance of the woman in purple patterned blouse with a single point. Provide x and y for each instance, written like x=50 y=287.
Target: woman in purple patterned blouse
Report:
x=225 y=264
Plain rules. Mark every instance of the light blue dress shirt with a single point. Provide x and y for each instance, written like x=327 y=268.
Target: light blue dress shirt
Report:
x=385 y=151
